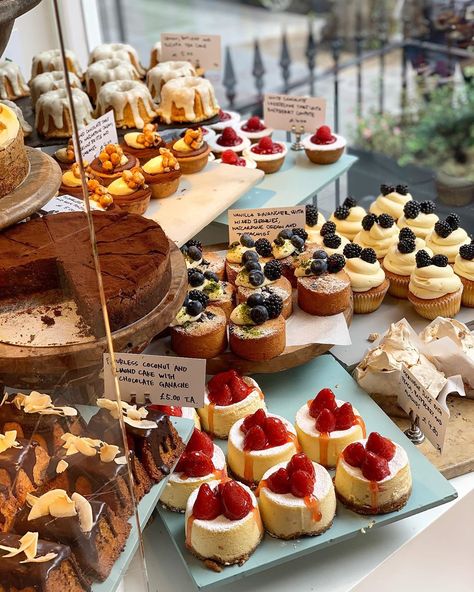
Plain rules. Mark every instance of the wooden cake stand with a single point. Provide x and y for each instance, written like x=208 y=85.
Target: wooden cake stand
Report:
x=71 y=365
x=40 y=185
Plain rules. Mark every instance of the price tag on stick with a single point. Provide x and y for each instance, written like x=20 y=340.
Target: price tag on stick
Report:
x=163 y=380
x=264 y=222
x=285 y=112
x=203 y=51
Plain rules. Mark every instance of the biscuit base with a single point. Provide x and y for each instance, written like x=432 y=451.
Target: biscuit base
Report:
x=237 y=561
x=387 y=508
x=299 y=535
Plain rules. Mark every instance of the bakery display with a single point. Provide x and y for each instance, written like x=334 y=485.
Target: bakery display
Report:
x=144 y=145
x=228 y=398
x=222 y=523
x=161 y=73
x=368 y=282
x=103 y=71
x=325 y=426
x=51 y=61
x=12 y=83
x=14 y=165
x=373 y=476
x=268 y=155
x=447 y=237
x=324 y=147
x=118 y=51
x=187 y=99
x=419 y=217
x=53 y=116
x=254 y=129
x=391 y=201
x=130 y=100
x=43 y=83
x=201 y=462
x=378 y=233
x=348 y=218
x=296 y=499
x=259 y=442
x=191 y=151
x=434 y=289
x=464 y=269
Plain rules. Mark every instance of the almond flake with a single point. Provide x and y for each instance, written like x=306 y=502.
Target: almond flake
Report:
x=41 y=559
x=61 y=466
x=84 y=511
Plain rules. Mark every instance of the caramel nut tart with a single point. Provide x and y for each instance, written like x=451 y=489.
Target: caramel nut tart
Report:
x=111 y=163
x=144 y=145
x=191 y=151
x=162 y=173
x=130 y=193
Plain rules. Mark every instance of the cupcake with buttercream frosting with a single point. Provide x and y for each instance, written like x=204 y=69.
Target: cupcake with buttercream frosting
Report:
x=391 y=201
x=419 y=217
x=348 y=218
x=378 y=233
x=331 y=241
x=434 y=289
x=447 y=237
x=464 y=268
x=314 y=221
x=368 y=282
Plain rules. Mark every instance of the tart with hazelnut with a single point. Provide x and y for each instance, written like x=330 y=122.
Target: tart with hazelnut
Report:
x=100 y=195
x=268 y=155
x=130 y=193
x=143 y=145
x=162 y=174
x=71 y=183
x=324 y=147
x=229 y=140
x=65 y=156
x=111 y=163
x=191 y=151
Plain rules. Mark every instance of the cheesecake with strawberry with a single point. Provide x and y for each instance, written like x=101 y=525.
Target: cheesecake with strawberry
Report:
x=259 y=442
x=228 y=398
x=201 y=462
x=324 y=147
x=232 y=158
x=268 y=155
x=223 y=523
x=373 y=476
x=296 y=498
x=326 y=425
x=172 y=411
x=229 y=140
x=255 y=129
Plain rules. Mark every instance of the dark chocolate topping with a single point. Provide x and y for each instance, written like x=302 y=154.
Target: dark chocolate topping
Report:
x=13 y=459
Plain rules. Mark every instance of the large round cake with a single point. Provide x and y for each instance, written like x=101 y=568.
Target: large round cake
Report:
x=14 y=164
x=54 y=252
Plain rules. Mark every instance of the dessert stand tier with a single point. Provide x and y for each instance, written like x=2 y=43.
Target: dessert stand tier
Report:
x=68 y=365
x=40 y=185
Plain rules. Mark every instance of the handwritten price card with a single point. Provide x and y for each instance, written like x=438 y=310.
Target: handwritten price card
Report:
x=285 y=111
x=264 y=222
x=433 y=417
x=203 y=51
x=163 y=380
x=96 y=135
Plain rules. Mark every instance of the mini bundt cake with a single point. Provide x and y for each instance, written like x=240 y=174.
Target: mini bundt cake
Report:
x=130 y=101
x=165 y=71
x=12 y=83
x=103 y=71
x=47 y=81
x=50 y=60
x=53 y=117
x=155 y=54
x=187 y=99
x=14 y=163
x=119 y=51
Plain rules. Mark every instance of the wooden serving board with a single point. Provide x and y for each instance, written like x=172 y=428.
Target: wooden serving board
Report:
x=41 y=184
x=49 y=367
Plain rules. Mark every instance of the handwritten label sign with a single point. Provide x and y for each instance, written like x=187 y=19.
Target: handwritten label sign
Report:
x=285 y=111
x=163 y=380
x=66 y=203
x=264 y=222
x=203 y=51
x=96 y=135
x=432 y=416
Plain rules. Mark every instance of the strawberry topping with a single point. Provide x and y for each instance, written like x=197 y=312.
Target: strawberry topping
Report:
x=236 y=502
x=208 y=504
x=200 y=442
x=354 y=454
x=326 y=421
x=167 y=410
x=325 y=399
x=266 y=146
x=221 y=397
x=254 y=124
x=224 y=116
x=227 y=388
x=381 y=446
x=279 y=481
x=276 y=431
x=263 y=432
x=196 y=464
x=345 y=417
x=323 y=135
x=257 y=418
x=300 y=462
x=301 y=484
x=229 y=137
x=255 y=439
x=229 y=157
x=374 y=467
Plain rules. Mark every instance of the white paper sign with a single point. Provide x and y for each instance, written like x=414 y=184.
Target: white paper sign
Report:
x=163 y=380
x=285 y=111
x=203 y=51
x=96 y=135
x=432 y=416
x=63 y=203
x=264 y=222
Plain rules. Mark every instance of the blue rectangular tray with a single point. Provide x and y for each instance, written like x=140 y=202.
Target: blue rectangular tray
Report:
x=284 y=395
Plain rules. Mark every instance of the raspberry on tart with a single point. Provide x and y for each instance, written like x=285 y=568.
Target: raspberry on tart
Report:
x=324 y=147
x=296 y=498
x=229 y=139
x=326 y=425
x=257 y=443
x=268 y=155
x=254 y=129
x=373 y=476
x=222 y=522
x=231 y=157
x=323 y=135
x=229 y=397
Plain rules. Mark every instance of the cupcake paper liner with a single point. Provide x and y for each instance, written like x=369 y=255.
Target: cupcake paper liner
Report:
x=398 y=284
x=468 y=292
x=365 y=302
x=445 y=306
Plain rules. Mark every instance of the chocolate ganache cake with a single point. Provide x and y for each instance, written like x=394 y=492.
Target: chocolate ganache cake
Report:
x=54 y=252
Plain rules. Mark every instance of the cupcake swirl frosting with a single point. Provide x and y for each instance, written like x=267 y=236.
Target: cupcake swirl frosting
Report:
x=364 y=275
x=464 y=267
x=433 y=282
x=403 y=263
x=378 y=238
x=392 y=204
x=422 y=225
x=448 y=246
x=352 y=224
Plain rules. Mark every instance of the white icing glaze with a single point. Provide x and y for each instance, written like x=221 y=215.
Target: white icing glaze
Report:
x=47 y=81
x=10 y=73
x=155 y=54
x=158 y=76
x=108 y=70
x=119 y=51
x=181 y=92
x=25 y=126
x=50 y=60
x=120 y=93
x=54 y=104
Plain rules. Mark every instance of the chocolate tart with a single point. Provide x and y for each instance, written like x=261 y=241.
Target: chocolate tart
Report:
x=107 y=178
x=192 y=161
x=135 y=203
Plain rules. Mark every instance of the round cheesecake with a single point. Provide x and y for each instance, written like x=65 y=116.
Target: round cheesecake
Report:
x=221 y=539
x=180 y=486
x=250 y=465
x=325 y=447
x=286 y=516
x=218 y=419
x=371 y=496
